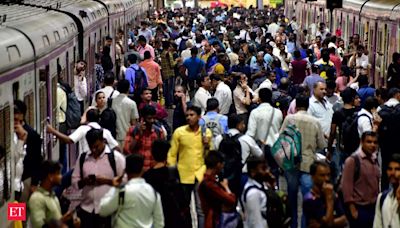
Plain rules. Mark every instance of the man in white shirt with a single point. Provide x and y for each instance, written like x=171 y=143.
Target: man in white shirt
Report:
x=265 y=121
x=273 y=27
x=267 y=83
x=92 y=119
x=80 y=85
x=254 y=197
x=144 y=31
x=126 y=111
x=387 y=203
x=202 y=94
x=394 y=94
x=187 y=52
x=359 y=60
x=223 y=94
x=109 y=80
x=137 y=204
x=368 y=120
x=320 y=108
x=323 y=31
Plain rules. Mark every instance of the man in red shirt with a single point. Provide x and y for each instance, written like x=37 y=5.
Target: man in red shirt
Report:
x=335 y=59
x=140 y=136
x=215 y=195
x=298 y=69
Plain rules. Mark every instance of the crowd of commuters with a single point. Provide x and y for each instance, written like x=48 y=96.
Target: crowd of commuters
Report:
x=240 y=84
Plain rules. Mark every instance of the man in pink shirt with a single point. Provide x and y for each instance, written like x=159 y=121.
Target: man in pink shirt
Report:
x=95 y=172
x=143 y=47
x=335 y=59
x=154 y=79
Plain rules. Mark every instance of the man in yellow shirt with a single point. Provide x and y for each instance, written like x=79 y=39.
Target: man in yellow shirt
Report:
x=189 y=145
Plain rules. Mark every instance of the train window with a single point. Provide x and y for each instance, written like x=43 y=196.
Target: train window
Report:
x=93 y=15
x=15 y=90
x=73 y=26
x=99 y=13
x=13 y=53
x=46 y=40
x=65 y=29
x=28 y=100
x=56 y=36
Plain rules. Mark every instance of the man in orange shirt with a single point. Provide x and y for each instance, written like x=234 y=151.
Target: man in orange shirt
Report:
x=153 y=71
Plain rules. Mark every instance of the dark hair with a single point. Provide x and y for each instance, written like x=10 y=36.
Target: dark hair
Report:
x=147 y=55
x=108 y=38
x=348 y=95
x=93 y=115
x=159 y=150
x=202 y=78
x=215 y=77
x=20 y=107
x=265 y=95
x=302 y=101
x=49 y=167
x=253 y=162
x=142 y=38
x=368 y=133
x=362 y=80
x=194 y=51
x=123 y=86
x=371 y=103
x=132 y=58
x=195 y=109
x=382 y=92
x=395 y=158
x=330 y=84
x=234 y=120
x=148 y=110
x=109 y=78
x=297 y=54
x=98 y=93
x=134 y=163
x=212 y=104
x=94 y=135
x=315 y=164
x=393 y=92
x=213 y=158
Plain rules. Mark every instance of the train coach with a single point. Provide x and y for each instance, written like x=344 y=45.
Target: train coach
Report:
x=376 y=21
x=40 y=40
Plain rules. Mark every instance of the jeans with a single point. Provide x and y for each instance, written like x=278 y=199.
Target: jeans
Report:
x=365 y=217
x=169 y=86
x=296 y=178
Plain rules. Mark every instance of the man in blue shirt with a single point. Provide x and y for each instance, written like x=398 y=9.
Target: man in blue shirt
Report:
x=242 y=67
x=217 y=123
x=364 y=90
x=130 y=72
x=194 y=66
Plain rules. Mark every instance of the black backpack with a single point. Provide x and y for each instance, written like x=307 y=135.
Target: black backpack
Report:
x=350 y=136
x=108 y=118
x=389 y=128
x=232 y=150
x=140 y=82
x=73 y=112
x=278 y=211
x=111 y=159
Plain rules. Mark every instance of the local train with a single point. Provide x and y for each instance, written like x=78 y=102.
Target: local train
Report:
x=40 y=39
x=376 y=21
